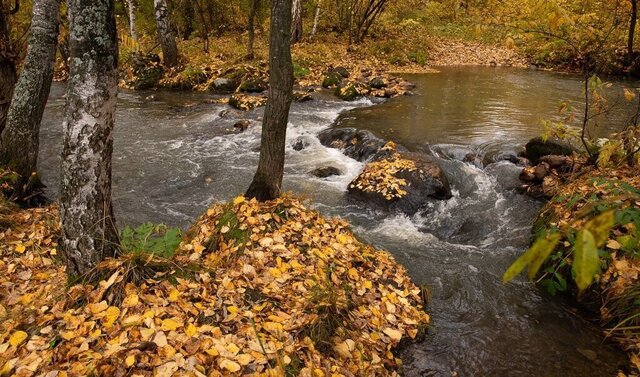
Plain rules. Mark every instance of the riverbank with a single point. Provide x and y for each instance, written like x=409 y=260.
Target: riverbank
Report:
x=268 y=288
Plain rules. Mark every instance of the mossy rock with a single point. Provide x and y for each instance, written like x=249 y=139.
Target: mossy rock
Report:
x=331 y=80
x=350 y=92
x=224 y=85
x=377 y=83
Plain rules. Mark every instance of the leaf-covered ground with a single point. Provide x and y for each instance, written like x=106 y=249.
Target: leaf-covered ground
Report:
x=254 y=289
x=592 y=195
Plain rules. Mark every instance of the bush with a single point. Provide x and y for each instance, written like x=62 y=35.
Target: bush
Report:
x=149 y=238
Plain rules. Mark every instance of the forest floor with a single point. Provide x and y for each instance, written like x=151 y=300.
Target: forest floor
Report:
x=254 y=288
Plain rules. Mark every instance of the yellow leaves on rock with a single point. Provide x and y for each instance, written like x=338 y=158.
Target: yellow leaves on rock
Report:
x=17 y=338
x=381 y=177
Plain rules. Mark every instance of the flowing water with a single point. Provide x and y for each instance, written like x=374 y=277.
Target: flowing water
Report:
x=174 y=155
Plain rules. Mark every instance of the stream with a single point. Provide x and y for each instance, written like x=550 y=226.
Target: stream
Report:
x=174 y=155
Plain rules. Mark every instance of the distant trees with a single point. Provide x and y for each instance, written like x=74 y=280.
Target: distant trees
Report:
x=253 y=10
x=632 y=30
x=166 y=34
x=8 y=73
x=89 y=232
x=267 y=182
x=20 y=138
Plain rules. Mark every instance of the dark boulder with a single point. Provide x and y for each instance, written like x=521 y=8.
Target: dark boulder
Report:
x=325 y=172
x=360 y=145
x=147 y=72
x=377 y=83
x=302 y=96
x=350 y=91
x=537 y=148
x=403 y=182
x=299 y=144
x=242 y=125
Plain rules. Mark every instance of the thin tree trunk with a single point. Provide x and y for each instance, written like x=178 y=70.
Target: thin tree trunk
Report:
x=205 y=27
x=267 y=181
x=316 y=19
x=20 y=139
x=8 y=72
x=165 y=33
x=89 y=232
x=132 y=20
x=252 y=27
x=632 y=30
x=296 y=27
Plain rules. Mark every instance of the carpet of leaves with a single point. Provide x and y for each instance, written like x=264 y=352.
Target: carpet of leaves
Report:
x=618 y=287
x=381 y=176
x=254 y=289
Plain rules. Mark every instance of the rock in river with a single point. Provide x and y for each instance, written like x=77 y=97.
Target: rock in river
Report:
x=538 y=147
x=326 y=171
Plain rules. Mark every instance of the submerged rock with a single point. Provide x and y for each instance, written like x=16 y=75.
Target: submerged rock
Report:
x=405 y=182
x=242 y=125
x=325 y=172
x=360 y=145
x=299 y=144
x=537 y=148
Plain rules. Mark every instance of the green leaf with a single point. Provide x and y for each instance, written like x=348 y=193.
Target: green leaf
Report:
x=600 y=226
x=543 y=247
x=586 y=263
x=534 y=257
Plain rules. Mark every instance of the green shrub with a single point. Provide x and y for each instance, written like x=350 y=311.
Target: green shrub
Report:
x=149 y=238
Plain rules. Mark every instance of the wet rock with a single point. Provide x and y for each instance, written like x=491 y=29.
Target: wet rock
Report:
x=299 y=144
x=254 y=85
x=390 y=93
x=325 y=172
x=404 y=182
x=360 y=145
x=242 y=125
x=506 y=174
x=331 y=80
x=230 y=114
x=407 y=86
x=302 y=96
x=377 y=83
x=557 y=162
x=541 y=171
x=528 y=174
x=537 y=148
x=224 y=85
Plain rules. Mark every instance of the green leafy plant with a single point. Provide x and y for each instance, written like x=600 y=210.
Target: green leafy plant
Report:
x=149 y=238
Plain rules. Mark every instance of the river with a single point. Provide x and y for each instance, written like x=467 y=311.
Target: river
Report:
x=174 y=155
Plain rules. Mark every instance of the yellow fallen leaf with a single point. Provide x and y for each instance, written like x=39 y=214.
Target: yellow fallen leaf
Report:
x=191 y=330
x=229 y=365
x=174 y=294
x=98 y=308
x=170 y=324
x=17 y=338
x=112 y=314
x=238 y=200
x=395 y=335
x=130 y=360
x=244 y=358
x=20 y=248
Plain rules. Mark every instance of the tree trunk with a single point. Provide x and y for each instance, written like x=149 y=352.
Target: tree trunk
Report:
x=8 y=73
x=316 y=19
x=632 y=30
x=267 y=181
x=255 y=4
x=20 y=139
x=132 y=20
x=89 y=232
x=205 y=27
x=165 y=33
x=296 y=27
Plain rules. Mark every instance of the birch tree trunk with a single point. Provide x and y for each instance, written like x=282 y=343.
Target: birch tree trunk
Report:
x=20 y=139
x=267 y=181
x=316 y=18
x=165 y=33
x=88 y=226
x=132 y=20
x=8 y=73
x=296 y=27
